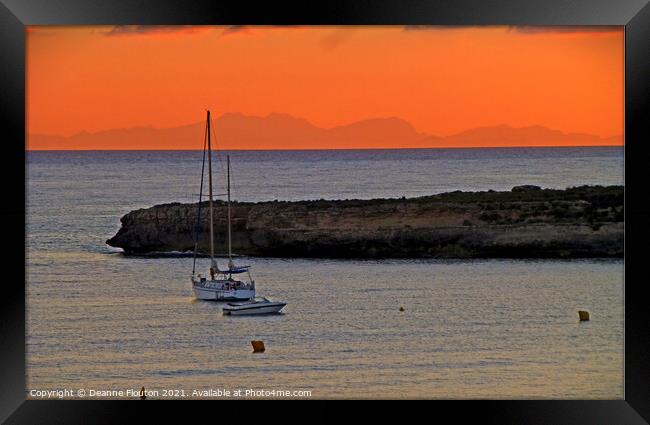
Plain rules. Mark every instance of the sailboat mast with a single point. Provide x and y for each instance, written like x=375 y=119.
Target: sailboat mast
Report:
x=198 y=218
x=230 y=265
x=210 y=204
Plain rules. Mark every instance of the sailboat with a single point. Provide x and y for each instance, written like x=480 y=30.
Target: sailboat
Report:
x=220 y=285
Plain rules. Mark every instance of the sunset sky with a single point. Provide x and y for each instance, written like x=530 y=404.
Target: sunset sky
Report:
x=442 y=80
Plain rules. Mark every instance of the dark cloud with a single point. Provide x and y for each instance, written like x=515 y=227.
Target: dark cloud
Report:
x=161 y=29
x=434 y=27
x=564 y=29
x=232 y=29
x=151 y=29
x=523 y=29
x=251 y=29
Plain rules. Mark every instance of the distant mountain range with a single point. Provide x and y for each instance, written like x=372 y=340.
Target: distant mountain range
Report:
x=282 y=131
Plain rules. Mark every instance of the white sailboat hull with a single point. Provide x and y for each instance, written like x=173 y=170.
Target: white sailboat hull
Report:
x=221 y=293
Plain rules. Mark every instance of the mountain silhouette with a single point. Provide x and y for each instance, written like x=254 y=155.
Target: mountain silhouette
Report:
x=282 y=131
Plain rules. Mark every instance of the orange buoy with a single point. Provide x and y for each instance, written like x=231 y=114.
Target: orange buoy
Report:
x=583 y=315
x=258 y=346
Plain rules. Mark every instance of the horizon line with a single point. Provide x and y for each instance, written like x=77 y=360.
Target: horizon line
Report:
x=338 y=149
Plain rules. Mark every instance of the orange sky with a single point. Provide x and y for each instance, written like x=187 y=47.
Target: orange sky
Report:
x=442 y=80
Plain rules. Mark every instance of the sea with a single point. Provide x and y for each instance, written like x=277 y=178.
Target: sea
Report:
x=101 y=322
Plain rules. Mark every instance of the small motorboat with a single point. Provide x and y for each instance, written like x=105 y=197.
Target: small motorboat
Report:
x=256 y=306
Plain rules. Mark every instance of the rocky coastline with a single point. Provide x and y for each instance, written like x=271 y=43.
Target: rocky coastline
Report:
x=526 y=222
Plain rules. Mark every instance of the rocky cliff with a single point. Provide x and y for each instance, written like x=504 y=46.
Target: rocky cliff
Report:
x=526 y=222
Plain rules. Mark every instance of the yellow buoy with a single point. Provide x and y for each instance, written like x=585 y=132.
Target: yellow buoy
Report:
x=583 y=315
x=258 y=346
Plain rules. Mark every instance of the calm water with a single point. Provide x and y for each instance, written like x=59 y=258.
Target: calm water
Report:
x=470 y=329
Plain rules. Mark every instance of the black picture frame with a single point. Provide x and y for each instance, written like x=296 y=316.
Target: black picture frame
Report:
x=633 y=14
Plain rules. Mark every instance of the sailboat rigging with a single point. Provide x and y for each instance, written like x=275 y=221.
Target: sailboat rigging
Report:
x=221 y=286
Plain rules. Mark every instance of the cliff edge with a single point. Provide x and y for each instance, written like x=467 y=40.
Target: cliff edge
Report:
x=526 y=222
